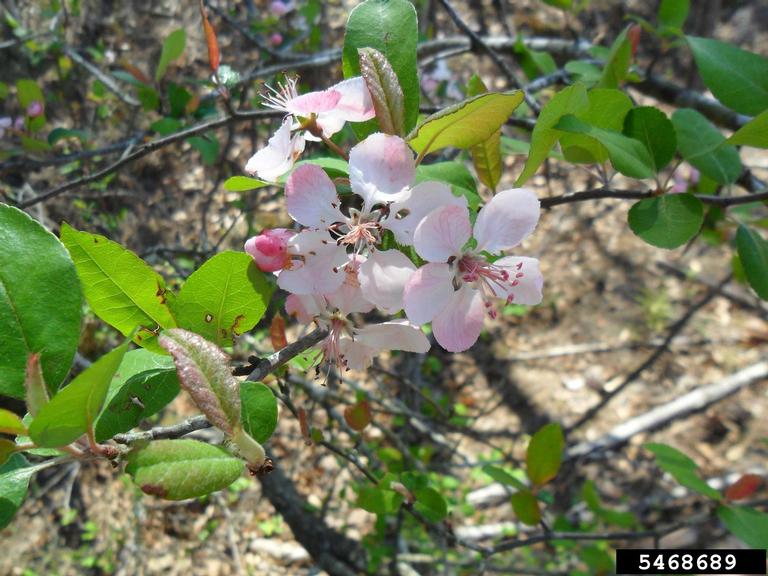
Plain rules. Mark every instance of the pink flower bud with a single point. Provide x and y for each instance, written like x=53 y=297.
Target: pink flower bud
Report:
x=276 y=39
x=34 y=109
x=270 y=249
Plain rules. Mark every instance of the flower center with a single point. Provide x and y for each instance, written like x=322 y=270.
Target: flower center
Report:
x=330 y=348
x=492 y=281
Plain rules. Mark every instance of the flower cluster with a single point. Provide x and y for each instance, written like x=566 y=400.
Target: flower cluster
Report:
x=334 y=263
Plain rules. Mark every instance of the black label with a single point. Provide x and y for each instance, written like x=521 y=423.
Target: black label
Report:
x=650 y=561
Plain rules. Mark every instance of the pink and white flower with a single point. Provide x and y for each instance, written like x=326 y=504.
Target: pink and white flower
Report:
x=270 y=249
x=278 y=156
x=381 y=170
x=327 y=110
x=459 y=284
x=316 y=264
x=348 y=346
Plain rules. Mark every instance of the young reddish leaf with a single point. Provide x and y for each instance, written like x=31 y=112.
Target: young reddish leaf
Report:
x=634 y=37
x=34 y=385
x=214 y=57
x=277 y=332
x=358 y=416
x=744 y=487
x=526 y=507
x=204 y=373
x=136 y=72
x=386 y=93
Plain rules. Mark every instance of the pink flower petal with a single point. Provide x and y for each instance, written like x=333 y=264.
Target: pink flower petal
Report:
x=442 y=233
x=349 y=298
x=380 y=167
x=420 y=200
x=311 y=197
x=458 y=325
x=506 y=220
x=317 y=263
x=313 y=103
x=383 y=277
x=525 y=280
x=278 y=156
x=305 y=307
x=355 y=104
x=372 y=340
x=428 y=291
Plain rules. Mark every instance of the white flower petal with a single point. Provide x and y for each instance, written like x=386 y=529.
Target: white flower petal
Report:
x=429 y=290
x=383 y=277
x=525 y=280
x=442 y=233
x=458 y=325
x=406 y=214
x=278 y=157
x=506 y=220
x=380 y=168
x=311 y=197
x=317 y=263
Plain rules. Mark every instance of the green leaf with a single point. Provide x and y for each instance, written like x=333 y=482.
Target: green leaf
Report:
x=465 y=124
x=36 y=392
x=14 y=482
x=500 y=475
x=753 y=133
x=166 y=126
x=431 y=504
x=180 y=469
x=390 y=27
x=7 y=448
x=617 y=63
x=607 y=110
x=673 y=13
x=120 y=287
x=74 y=409
x=61 y=133
x=563 y=4
x=34 y=144
x=703 y=145
x=204 y=373
x=243 y=184
x=173 y=48
x=378 y=501
x=10 y=423
x=486 y=156
x=545 y=453
x=258 y=407
x=568 y=101
x=224 y=298
x=682 y=468
x=386 y=94
x=208 y=147
x=627 y=155
x=526 y=507
x=753 y=253
x=140 y=397
x=28 y=91
x=40 y=302
x=149 y=98
x=667 y=221
x=739 y=79
x=747 y=524
x=584 y=72
x=651 y=126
